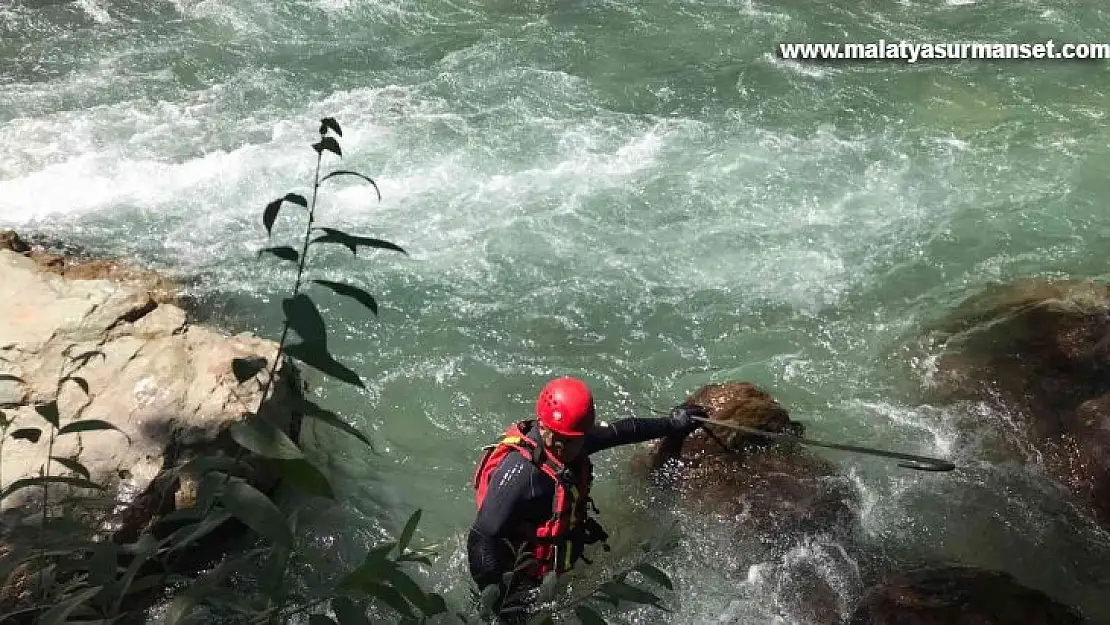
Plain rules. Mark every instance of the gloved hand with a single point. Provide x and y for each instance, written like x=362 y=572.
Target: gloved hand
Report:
x=682 y=417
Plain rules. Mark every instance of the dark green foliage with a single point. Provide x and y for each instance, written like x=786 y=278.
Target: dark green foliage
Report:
x=83 y=574
x=356 y=174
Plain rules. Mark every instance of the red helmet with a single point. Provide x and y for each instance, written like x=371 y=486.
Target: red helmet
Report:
x=566 y=406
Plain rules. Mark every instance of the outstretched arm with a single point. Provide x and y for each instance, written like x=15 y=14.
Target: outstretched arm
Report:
x=632 y=430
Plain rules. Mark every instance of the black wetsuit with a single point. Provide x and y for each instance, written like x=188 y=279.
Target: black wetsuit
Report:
x=520 y=495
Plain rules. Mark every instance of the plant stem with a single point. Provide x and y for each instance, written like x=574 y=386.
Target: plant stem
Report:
x=304 y=608
x=268 y=384
x=296 y=284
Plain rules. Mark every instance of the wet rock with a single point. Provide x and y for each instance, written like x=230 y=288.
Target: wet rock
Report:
x=10 y=240
x=65 y=261
x=770 y=489
x=1039 y=350
x=98 y=344
x=956 y=595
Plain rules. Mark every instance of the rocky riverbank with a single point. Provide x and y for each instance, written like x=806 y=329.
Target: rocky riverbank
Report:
x=99 y=354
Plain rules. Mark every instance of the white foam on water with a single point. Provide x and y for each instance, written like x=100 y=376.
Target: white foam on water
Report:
x=94 y=10
x=524 y=200
x=797 y=67
x=935 y=422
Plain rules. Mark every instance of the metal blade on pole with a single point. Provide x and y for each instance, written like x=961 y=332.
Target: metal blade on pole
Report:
x=920 y=463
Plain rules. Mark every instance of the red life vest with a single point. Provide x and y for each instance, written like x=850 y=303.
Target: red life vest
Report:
x=558 y=543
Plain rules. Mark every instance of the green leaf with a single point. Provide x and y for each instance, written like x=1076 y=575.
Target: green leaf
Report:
x=320 y=619
x=588 y=615
x=344 y=172
x=487 y=601
x=283 y=252
x=189 y=534
x=143 y=550
x=27 y=434
x=413 y=556
x=88 y=425
x=624 y=592
x=225 y=599
x=72 y=465
x=352 y=242
x=79 y=381
x=305 y=319
x=257 y=512
x=143 y=584
x=329 y=144
x=321 y=360
x=435 y=604
x=542 y=618
x=304 y=476
x=57 y=614
x=348 y=613
x=246 y=368
x=28 y=482
x=329 y=122
x=408 y=531
x=103 y=564
x=375 y=567
x=353 y=292
x=409 y=589
x=271 y=577
x=548 y=587
x=387 y=595
x=655 y=575
x=181 y=515
x=296 y=199
x=271 y=212
x=264 y=439
x=49 y=411
x=309 y=409
x=180 y=611
x=206 y=464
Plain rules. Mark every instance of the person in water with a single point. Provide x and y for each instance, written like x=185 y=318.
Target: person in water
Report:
x=533 y=487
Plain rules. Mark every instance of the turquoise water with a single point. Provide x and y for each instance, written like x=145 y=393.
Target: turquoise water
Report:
x=640 y=193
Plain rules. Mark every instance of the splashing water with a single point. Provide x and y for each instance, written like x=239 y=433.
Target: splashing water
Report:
x=642 y=194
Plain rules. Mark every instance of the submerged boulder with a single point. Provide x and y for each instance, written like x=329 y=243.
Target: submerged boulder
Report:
x=782 y=496
x=1040 y=351
x=770 y=489
x=955 y=595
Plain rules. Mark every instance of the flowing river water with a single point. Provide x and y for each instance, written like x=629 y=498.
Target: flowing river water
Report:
x=640 y=193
